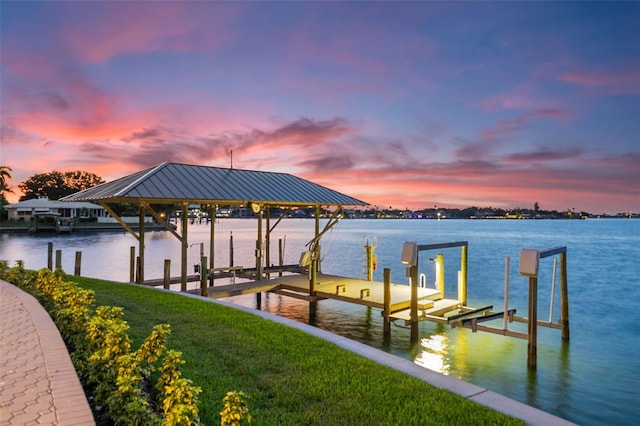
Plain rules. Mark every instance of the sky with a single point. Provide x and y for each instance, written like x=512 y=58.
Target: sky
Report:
x=399 y=104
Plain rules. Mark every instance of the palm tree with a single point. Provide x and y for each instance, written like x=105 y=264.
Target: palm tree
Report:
x=5 y=176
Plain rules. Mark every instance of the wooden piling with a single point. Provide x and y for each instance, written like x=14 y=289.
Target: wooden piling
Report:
x=387 y=303
x=462 y=292
x=167 y=274
x=132 y=264
x=532 y=323
x=564 y=297
x=76 y=269
x=141 y=245
x=185 y=245
x=203 y=277
x=440 y=272
x=58 y=260
x=369 y=262
x=414 y=303
x=280 y=255
x=50 y=256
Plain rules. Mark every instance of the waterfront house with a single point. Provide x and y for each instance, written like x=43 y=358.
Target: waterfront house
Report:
x=28 y=209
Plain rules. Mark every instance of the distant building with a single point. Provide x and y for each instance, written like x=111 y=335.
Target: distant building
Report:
x=26 y=210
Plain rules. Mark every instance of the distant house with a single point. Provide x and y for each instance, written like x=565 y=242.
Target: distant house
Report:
x=26 y=210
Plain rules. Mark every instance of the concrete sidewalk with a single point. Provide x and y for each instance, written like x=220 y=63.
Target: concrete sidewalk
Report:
x=38 y=383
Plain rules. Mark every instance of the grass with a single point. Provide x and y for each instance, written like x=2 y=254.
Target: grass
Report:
x=292 y=378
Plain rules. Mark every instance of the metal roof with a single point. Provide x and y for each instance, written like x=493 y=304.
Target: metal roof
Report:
x=174 y=183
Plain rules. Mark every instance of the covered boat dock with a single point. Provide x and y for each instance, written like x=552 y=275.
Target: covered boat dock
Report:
x=175 y=184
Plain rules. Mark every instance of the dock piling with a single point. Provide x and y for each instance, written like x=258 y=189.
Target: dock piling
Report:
x=387 y=303
x=167 y=274
x=76 y=269
x=203 y=276
x=58 y=260
x=132 y=264
x=50 y=256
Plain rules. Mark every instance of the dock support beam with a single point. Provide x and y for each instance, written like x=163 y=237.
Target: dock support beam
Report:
x=564 y=297
x=203 y=277
x=212 y=246
x=532 y=347
x=462 y=289
x=387 y=304
x=185 y=244
x=141 y=244
x=413 y=272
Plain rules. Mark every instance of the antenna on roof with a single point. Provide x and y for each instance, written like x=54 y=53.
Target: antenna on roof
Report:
x=231 y=159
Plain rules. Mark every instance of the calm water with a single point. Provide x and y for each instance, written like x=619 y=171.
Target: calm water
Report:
x=593 y=379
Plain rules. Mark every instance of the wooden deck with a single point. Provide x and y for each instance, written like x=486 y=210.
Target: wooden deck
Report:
x=350 y=290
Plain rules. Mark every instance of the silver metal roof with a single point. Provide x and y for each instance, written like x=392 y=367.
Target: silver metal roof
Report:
x=174 y=183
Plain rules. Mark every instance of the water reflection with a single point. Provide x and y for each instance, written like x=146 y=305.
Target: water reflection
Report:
x=434 y=353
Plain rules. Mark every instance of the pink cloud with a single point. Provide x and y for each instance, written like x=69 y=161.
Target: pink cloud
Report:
x=624 y=81
x=145 y=27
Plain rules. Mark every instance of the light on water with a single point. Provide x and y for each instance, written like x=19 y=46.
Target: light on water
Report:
x=592 y=380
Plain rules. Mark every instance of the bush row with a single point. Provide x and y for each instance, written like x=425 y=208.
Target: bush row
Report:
x=134 y=387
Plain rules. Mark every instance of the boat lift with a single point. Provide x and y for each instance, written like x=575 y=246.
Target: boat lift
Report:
x=472 y=318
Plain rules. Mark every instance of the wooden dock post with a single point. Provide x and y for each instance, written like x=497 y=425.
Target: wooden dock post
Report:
x=203 y=277
x=167 y=274
x=387 y=304
x=564 y=297
x=185 y=246
x=532 y=323
x=141 y=245
x=440 y=273
x=413 y=271
x=369 y=249
x=212 y=246
x=76 y=269
x=280 y=255
x=462 y=283
x=50 y=256
x=132 y=264
x=58 y=259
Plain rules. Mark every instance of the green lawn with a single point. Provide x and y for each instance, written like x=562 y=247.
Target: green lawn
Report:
x=291 y=378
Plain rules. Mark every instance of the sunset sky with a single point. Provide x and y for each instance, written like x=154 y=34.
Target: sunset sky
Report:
x=403 y=104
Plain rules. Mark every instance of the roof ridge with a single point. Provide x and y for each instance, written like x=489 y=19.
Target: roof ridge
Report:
x=143 y=176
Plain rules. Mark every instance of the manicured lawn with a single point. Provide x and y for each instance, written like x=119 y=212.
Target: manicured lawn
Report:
x=291 y=378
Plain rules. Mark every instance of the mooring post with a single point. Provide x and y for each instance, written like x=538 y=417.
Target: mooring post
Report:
x=533 y=323
x=76 y=269
x=387 y=303
x=564 y=297
x=414 y=303
x=280 y=255
x=185 y=246
x=231 y=249
x=203 y=277
x=132 y=264
x=141 y=258
x=369 y=262
x=462 y=283
x=50 y=256
x=167 y=274
x=440 y=274
x=212 y=246
x=58 y=259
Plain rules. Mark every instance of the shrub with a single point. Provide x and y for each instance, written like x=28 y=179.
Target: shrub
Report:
x=102 y=354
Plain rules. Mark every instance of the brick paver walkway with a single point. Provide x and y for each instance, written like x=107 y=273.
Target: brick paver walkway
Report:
x=38 y=383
